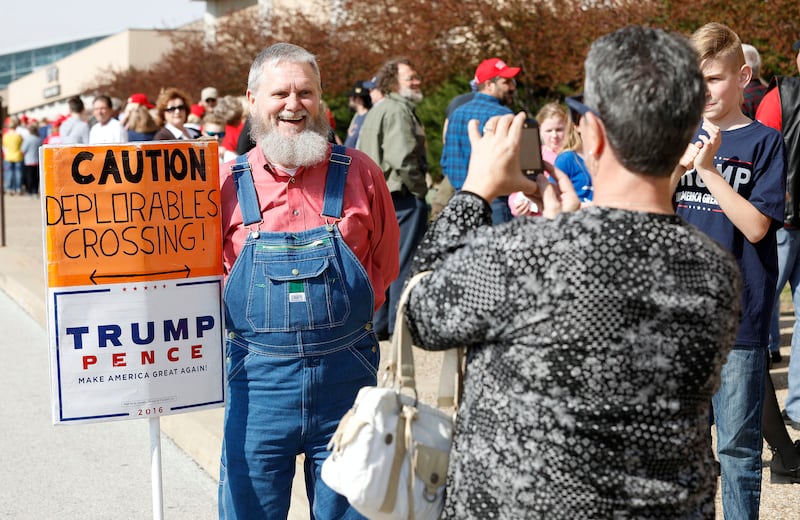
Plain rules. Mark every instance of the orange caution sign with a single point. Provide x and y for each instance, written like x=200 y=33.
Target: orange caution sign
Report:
x=127 y=212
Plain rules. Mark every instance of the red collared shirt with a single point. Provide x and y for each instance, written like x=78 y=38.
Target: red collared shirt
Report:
x=294 y=203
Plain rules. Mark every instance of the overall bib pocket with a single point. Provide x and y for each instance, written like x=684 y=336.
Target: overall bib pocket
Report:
x=300 y=291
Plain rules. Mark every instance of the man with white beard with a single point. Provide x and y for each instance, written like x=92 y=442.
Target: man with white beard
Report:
x=393 y=136
x=310 y=247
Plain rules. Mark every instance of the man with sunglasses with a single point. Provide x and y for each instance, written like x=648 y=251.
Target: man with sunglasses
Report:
x=208 y=98
x=495 y=91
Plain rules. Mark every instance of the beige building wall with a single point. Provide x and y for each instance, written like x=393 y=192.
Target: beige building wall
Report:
x=43 y=93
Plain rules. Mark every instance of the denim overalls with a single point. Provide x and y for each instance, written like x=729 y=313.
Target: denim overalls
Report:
x=300 y=344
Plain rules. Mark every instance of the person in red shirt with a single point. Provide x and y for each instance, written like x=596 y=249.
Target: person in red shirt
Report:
x=780 y=109
x=231 y=110
x=310 y=245
x=781 y=102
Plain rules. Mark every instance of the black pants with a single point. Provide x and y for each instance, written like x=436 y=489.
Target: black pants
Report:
x=30 y=178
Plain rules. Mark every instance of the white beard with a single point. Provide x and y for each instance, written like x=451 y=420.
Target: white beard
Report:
x=303 y=149
x=411 y=95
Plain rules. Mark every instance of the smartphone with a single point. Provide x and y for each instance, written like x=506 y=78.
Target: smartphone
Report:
x=530 y=149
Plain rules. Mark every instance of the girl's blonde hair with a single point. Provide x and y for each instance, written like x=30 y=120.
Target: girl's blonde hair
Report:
x=552 y=109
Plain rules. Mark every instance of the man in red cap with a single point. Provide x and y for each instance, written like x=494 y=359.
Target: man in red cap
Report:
x=495 y=91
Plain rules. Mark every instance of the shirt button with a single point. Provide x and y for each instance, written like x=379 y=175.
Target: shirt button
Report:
x=295 y=272
x=292 y=180
x=296 y=212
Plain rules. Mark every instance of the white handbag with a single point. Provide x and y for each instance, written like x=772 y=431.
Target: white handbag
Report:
x=390 y=452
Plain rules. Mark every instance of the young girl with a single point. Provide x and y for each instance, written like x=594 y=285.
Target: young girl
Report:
x=554 y=123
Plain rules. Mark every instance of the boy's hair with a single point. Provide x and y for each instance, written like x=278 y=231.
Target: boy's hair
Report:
x=715 y=41
x=752 y=58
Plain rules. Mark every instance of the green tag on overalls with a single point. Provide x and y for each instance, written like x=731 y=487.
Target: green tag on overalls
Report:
x=296 y=292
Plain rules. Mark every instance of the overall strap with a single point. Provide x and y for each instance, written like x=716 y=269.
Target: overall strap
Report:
x=246 y=191
x=334 y=185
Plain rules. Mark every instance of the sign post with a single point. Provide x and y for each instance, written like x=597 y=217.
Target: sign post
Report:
x=133 y=254
x=155 y=468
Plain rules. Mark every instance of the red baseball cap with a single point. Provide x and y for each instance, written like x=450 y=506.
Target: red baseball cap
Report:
x=493 y=68
x=140 y=99
x=198 y=110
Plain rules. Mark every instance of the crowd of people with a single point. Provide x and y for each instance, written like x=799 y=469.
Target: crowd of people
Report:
x=172 y=116
x=613 y=308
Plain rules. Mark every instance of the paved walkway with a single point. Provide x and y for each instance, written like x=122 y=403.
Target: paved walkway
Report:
x=199 y=433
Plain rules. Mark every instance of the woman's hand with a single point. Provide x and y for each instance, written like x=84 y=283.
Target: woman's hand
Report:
x=557 y=193
x=494 y=163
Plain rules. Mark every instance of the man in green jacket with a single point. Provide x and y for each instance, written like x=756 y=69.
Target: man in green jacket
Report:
x=394 y=138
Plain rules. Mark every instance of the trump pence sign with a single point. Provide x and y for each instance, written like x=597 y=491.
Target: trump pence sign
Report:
x=132 y=246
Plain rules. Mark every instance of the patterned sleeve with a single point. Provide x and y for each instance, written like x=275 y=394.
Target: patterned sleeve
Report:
x=461 y=302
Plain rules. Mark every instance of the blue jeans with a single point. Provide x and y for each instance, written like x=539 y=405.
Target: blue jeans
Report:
x=789 y=271
x=277 y=408
x=12 y=176
x=737 y=407
x=412 y=217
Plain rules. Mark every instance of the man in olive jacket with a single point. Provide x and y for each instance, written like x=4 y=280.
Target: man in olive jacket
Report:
x=393 y=136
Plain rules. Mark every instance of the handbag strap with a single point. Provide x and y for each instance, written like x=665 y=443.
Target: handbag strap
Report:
x=401 y=364
x=451 y=378
x=400 y=368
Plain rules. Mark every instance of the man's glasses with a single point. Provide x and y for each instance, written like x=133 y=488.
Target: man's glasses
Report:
x=176 y=107
x=211 y=100
x=215 y=134
x=577 y=109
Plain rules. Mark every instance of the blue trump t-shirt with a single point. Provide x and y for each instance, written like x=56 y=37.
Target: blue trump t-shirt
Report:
x=752 y=160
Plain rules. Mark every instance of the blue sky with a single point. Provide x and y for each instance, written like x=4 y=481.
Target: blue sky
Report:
x=30 y=24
